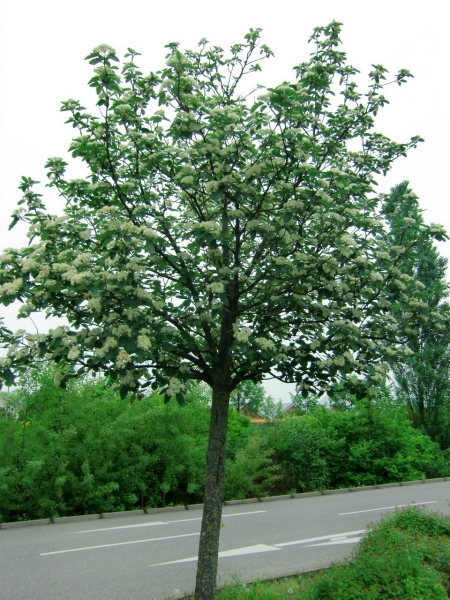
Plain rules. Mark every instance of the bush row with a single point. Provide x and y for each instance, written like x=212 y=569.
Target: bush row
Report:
x=84 y=450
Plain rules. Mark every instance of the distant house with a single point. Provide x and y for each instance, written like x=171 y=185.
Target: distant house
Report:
x=254 y=418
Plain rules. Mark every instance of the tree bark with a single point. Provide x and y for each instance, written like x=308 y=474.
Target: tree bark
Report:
x=214 y=496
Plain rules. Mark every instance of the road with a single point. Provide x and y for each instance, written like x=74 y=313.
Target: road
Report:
x=154 y=556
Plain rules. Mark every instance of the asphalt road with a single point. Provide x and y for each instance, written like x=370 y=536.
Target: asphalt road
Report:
x=154 y=556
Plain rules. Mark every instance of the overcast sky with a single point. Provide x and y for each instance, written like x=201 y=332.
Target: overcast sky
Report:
x=43 y=44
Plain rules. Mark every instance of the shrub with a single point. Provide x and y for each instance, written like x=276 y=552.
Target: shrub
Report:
x=363 y=446
x=252 y=473
x=406 y=555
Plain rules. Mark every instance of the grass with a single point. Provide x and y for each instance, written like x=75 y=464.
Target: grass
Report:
x=406 y=556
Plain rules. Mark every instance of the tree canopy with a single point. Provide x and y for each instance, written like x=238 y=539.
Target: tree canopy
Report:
x=217 y=237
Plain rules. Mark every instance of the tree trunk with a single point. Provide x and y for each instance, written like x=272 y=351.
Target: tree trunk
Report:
x=214 y=496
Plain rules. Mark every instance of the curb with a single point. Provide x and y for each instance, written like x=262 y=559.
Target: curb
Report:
x=150 y=511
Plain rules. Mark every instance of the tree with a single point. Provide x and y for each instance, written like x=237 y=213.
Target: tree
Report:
x=423 y=378
x=217 y=238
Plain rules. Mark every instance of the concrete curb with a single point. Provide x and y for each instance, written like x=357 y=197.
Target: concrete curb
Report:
x=74 y=519
x=125 y=513
x=16 y=524
x=246 y=501
x=149 y=511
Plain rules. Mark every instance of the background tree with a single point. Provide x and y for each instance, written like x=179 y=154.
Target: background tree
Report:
x=252 y=397
x=220 y=241
x=249 y=395
x=423 y=378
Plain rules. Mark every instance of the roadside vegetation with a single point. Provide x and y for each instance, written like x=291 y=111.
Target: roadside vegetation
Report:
x=84 y=450
x=405 y=556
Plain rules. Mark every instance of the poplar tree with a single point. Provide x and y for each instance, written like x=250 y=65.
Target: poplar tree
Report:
x=218 y=236
x=422 y=379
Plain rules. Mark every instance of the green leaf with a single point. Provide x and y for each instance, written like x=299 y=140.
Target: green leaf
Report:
x=8 y=376
x=13 y=223
x=123 y=392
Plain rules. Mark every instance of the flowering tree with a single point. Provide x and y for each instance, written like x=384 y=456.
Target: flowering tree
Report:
x=216 y=238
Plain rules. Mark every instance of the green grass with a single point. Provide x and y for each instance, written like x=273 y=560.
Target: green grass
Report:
x=406 y=556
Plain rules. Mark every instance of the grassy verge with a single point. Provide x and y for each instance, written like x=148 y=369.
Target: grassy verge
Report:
x=406 y=556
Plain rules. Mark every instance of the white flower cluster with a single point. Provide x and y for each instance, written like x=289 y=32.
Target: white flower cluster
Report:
x=216 y=287
x=123 y=358
x=375 y=277
x=108 y=345
x=175 y=387
x=265 y=344
x=241 y=334
x=339 y=361
x=144 y=342
x=71 y=104
x=104 y=50
x=57 y=333
x=106 y=210
x=128 y=380
x=29 y=264
x=347 y=240
x=253 y=172
x=121 y=329
x=11 y=287
x=59 y=376
x=252 y=224
x=95 y=304
x=211 y=187
x=437 y=228
x=73 y=353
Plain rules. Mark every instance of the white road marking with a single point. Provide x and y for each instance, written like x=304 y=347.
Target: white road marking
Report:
x=336 y=537
x=336 y=542
x=226 y=554
x=171 y=537
x=355 y=512
x=122 y=527
x=253 y=512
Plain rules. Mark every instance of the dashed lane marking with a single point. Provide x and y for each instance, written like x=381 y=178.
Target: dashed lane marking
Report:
x=171 y=537
x=356 y=512
x=332 y=538
x=253 y=512
x=352 y=540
